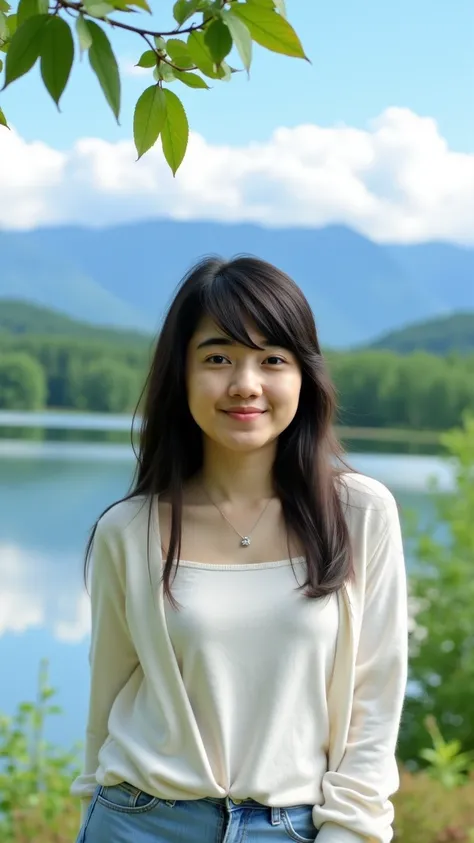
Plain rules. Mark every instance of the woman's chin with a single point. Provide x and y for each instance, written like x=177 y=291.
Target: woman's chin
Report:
x=244 y=442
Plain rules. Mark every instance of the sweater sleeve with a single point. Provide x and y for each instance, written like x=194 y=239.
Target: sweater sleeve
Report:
x=112 y=656
x=357 y=806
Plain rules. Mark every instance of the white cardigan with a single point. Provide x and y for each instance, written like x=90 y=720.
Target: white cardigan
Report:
x=141 y=726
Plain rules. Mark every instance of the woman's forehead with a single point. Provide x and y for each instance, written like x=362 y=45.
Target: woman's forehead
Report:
x=207 y=328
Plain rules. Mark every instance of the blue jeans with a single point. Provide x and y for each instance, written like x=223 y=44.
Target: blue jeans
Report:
x=124 y=814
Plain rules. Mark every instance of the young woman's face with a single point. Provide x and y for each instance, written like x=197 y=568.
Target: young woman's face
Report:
x=240 y=397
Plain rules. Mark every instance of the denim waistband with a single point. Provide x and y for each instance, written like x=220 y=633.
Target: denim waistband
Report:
x=234 y=804
x=229 y=801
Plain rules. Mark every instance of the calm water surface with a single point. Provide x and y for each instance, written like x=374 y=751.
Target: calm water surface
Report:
x=50 y=494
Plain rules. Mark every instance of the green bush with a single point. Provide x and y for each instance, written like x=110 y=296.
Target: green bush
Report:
x=35 y=777
x=22 y=382
x=442 y=597
x=109 y=387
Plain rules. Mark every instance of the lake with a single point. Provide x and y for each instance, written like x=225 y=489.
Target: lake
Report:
x=50 y=494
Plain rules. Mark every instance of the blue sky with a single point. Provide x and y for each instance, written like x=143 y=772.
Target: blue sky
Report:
x=365 y=57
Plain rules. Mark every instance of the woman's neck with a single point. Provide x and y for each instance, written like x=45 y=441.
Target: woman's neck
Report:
x=236 y=477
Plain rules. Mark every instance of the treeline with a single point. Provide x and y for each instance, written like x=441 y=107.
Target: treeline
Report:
x=376 y=388
x=93 y=375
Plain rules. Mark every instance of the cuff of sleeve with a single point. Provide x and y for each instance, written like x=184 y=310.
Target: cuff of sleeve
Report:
x=335 y=833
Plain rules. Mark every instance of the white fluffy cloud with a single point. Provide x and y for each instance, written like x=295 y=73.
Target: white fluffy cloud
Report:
x=395 y=181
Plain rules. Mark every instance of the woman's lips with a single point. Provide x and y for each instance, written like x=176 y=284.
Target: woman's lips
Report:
x=244 y=415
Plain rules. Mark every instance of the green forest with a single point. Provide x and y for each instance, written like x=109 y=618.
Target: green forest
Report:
x=48 y=361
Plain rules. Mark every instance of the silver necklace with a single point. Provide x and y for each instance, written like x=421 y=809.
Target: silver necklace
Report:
x=244 y=540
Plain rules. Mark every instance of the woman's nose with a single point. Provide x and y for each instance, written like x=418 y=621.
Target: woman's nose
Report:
x=245 y=382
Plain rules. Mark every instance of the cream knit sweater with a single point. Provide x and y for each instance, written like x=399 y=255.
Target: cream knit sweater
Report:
x=251 y=690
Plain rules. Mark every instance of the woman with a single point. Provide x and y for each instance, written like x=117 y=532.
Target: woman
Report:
x=249 y=621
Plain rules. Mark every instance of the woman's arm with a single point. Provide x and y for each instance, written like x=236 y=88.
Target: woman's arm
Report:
x=357 y=805
x=112 y=655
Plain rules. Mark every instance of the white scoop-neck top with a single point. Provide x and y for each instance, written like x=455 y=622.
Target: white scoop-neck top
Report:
x=252 y=690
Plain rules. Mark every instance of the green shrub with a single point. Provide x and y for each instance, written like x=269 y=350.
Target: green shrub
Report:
x=35 y=777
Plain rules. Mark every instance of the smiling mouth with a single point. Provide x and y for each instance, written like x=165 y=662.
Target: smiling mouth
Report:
x=244 y=415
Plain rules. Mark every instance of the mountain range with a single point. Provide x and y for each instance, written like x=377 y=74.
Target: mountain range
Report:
x=125 y=275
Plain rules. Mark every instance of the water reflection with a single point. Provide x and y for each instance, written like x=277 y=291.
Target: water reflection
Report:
x=42 y=591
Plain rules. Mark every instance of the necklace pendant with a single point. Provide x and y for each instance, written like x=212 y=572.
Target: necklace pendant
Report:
x=245 y=541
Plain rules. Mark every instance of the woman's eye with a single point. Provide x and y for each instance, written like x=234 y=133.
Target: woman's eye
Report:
x=216 y=358
x=275 y=360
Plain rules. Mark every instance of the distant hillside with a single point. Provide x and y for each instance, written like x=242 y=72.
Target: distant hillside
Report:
x=49 y=277
x=436 y=336
x=19 y=317
x=126 y=275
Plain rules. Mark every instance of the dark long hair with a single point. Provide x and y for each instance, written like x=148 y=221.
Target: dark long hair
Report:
x=309 y=465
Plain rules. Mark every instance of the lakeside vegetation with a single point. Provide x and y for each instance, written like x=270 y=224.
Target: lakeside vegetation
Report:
x=48 y=361
x=435 y=803
x=444 y=335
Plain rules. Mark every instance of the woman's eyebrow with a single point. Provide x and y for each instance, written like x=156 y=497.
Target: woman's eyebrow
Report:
x=216 y=341
x=210 y=341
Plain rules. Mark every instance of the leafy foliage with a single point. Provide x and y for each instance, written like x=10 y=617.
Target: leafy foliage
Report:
x=36 y=777
x=22 y=382
x=447 y=763
x=212 y=29
x=442 y=597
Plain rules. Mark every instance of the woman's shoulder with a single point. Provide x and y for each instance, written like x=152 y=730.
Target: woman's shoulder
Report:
x=372 y=515
x=366 y=499
x=363 y=490
x=124 y=515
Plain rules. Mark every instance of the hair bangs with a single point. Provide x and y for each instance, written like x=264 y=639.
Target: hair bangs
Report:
x=237 y=304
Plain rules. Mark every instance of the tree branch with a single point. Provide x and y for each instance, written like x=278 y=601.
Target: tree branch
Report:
x=79 y=8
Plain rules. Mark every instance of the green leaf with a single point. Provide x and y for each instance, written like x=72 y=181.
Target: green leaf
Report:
x=192 y=80
x=4 y=31
x=12 y=23
x=140 y=4
x=165 y=72
x=270 y=30
x=83 y=33
x=26 y=9
x=183 y=9
x=218 y=41
x=25 y=48
x=199 y=52
x=147 y=59
x=57 y=56
x=121 y=6
x=241 y=37
x=43 y=7
x=3 y=120
x=4 y=6
x=149 y=118
x=160 y=44
x=1 y=65
x=179 y=53
x=97 y=8
x=104 y=65
x=264 y=4
x=175 y=132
